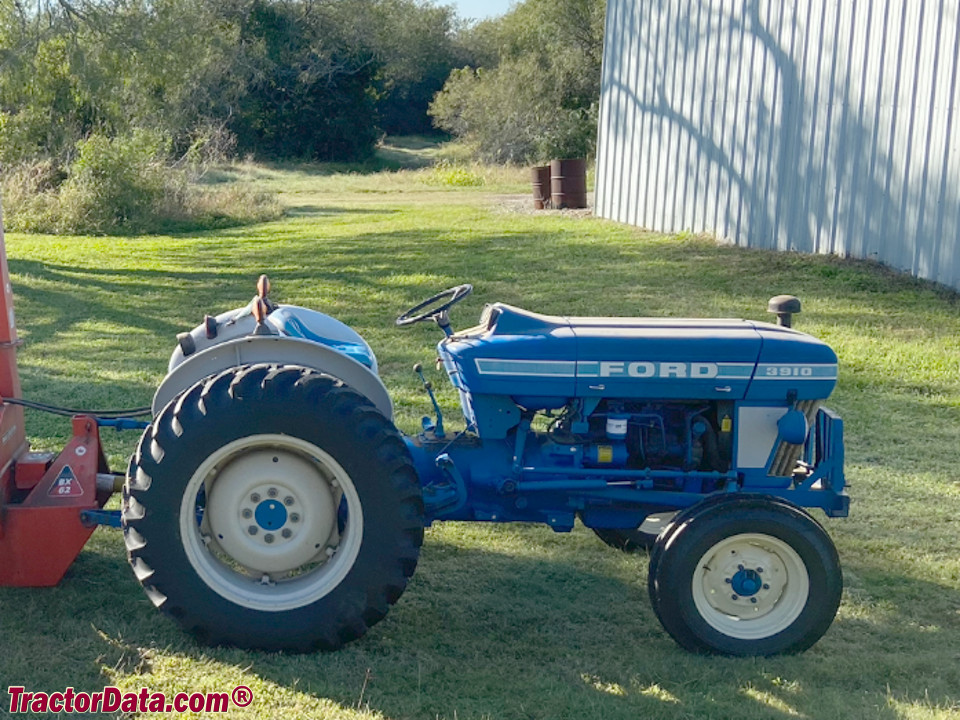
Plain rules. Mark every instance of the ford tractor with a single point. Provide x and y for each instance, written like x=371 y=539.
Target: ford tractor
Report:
x=272 y=503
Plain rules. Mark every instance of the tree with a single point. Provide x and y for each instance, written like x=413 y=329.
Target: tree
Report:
x=417 y=49
x=306 y=77
x=540 y=99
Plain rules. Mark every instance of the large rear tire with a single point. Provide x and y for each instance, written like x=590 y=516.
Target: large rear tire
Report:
x=273 y=508
x=750 y=576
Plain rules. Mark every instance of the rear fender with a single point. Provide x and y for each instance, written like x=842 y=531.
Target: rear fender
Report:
x=286 y=320
x=281 y=350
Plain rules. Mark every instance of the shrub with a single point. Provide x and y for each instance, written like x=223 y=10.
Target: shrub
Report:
x=536 y=91
x=119 y=184
x=30 y=195
x=124 y=185
x=515 y=113
x=453 y=175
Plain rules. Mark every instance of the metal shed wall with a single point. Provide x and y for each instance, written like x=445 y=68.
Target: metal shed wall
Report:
x=811 y=125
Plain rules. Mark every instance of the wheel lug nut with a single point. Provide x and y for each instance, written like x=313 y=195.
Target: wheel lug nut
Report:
x=734 y=597
x=252 y=530
x=727 y=580
x=294 y=517
x=753 y=600
x=766 y=587
x=255 y=497
x=739 y=567
x=288 y=501
x=759 y=570
x=286 y=533
x=268 y=538
x=272 y=492
x=247 y=513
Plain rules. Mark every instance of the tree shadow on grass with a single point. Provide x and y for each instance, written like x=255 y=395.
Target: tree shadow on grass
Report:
x=318 y=211
x=556 y=270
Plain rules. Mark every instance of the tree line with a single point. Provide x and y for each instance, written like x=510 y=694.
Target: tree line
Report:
x=106 y=104
x=320 y=79
x=277 y=78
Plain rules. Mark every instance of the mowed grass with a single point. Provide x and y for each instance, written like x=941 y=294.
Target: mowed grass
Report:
x=515 y=621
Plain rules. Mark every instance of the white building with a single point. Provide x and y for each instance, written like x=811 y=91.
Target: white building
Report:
x=823 y=126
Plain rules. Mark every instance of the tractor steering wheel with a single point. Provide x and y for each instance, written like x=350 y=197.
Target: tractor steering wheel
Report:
x=430 y=308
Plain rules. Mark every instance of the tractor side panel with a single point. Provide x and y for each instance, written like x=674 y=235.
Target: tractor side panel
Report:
x=792 y=364
x=666 y=362
x=538 y=369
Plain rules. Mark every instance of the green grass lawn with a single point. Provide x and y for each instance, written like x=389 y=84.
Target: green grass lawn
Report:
x=504 y=622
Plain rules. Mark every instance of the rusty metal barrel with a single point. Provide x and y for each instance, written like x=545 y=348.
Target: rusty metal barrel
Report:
x=541 y=186
x=568 y=183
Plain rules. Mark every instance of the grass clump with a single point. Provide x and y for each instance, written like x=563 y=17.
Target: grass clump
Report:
x=454 y=175
x=125 y=185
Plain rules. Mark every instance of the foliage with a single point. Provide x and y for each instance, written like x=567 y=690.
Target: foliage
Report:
x=454 y=175
x=122 y=184
x=306 y=84
x=417 y=48
x=514 y=113
x=306 y=79
x=534 y=92
x=118 y=183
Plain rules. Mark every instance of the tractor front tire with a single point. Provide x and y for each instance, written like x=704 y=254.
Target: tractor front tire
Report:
x=273 y=507
x=745 y=576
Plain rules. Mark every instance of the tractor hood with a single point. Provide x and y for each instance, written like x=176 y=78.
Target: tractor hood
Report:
x=536 y=357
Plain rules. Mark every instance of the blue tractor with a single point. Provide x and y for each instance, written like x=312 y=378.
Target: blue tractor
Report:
x=273 y=504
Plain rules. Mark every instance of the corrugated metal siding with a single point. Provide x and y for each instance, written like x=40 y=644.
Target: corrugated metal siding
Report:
x=810 y=125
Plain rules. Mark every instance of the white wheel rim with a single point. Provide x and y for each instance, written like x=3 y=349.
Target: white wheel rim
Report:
x=268 y=537
x=750 y=586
